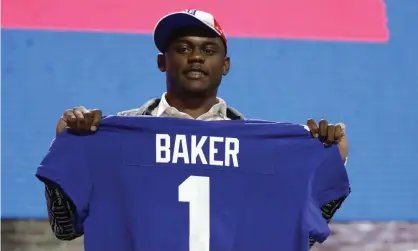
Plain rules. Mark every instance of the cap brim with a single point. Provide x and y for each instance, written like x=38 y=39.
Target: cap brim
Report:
x=172 y=22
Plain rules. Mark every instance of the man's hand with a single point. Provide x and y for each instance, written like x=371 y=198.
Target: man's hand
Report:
x=330 y=134
x=79 y=119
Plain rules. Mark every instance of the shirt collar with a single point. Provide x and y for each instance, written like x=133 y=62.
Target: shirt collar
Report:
x=217 y=109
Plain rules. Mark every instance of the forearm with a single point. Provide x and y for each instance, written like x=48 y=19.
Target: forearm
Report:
x=61 y=213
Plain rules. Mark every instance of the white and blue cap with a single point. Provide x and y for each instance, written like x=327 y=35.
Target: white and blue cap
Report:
x=176 y=20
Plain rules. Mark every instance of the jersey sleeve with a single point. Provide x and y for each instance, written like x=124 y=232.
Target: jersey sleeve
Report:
x=67 y=165
x=317 y=227
x=330 y=181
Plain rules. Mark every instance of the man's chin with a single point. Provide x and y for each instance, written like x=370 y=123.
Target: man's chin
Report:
x=196 y=86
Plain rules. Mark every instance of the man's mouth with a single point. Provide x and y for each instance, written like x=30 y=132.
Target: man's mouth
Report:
x=195 y=74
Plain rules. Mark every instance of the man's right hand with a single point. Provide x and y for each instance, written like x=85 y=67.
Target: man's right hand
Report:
x=79 y=119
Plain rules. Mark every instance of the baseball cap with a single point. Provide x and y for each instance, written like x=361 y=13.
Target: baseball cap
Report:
x=176 y=20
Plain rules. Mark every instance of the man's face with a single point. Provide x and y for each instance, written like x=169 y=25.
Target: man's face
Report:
x=194 y=62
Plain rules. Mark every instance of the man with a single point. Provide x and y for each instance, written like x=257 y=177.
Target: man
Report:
x=194 y=58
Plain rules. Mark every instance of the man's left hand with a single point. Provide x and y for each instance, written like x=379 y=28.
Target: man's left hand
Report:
x=330 y=134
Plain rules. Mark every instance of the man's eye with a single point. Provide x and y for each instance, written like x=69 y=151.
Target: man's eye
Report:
x=209 y=51
x=183 y=49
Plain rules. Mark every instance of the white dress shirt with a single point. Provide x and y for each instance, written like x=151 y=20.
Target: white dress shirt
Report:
x=217 y=112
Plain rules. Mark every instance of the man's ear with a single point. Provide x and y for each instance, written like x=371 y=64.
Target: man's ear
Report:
x=226 y=66
x=161 y=62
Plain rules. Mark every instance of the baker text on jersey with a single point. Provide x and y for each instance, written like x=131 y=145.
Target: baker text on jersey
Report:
x=189 y=149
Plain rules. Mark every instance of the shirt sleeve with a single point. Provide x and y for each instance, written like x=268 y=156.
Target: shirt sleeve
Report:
x=67 y=166
x=61 y=213
x=330 y=181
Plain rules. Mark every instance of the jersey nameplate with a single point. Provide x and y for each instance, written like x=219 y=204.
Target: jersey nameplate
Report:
x=189 y=148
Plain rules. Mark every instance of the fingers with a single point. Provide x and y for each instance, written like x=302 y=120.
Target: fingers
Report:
x=68 y=116
x=88 y=118
x=313 y=127
x=326 y=132
x=339 y=132
x=83 y=117
x=330 y=138
x=323 y=129
x=79 y=119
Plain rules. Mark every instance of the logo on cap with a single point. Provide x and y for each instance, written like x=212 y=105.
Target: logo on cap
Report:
x=191 y=12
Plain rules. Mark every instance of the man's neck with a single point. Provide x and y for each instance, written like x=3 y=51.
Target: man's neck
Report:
x=194 y=106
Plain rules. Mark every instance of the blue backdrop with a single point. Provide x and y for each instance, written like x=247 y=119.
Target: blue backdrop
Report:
x=373 y=88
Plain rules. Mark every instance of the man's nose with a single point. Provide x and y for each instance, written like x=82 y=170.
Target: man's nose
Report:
x=196 y=56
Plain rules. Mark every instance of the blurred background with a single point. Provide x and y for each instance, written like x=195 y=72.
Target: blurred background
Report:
x=351 y=61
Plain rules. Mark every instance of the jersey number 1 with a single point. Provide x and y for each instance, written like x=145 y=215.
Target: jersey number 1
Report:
x=196 y=191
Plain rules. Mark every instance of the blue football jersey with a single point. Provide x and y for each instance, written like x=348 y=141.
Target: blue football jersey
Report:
x=158 y=184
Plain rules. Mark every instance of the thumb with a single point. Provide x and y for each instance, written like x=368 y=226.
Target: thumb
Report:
x=97 y=118
x=61 y=125
x=341 y=134
x=343 y=142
